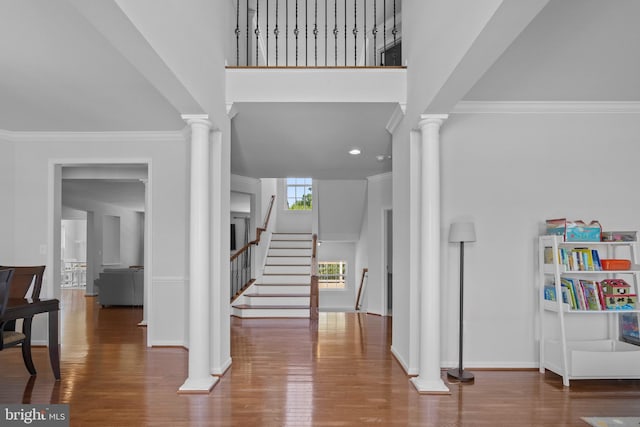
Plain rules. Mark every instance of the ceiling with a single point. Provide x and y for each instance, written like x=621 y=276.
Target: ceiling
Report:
x=126 y=194
x=58 y=73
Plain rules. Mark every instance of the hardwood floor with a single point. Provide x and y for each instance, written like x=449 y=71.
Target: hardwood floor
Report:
x=284 y=373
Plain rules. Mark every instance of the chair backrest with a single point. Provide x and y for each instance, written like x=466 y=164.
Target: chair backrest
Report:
x=23 y=278
x=5 y=280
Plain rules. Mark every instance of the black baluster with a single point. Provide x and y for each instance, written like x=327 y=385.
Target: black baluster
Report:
x=384 y=33
x=276 y=31
x=335 y=32
x=345 y=33
x=315 y=32
x=364 y=41
x=394 y=32
x=248 y=33
x=326 y=20
x=355 y=32
x=237 y=32
x=375 y=31
x=286 y=33
x=257 y=30
x=266 y=56
x=306 y=34
x=296 y=32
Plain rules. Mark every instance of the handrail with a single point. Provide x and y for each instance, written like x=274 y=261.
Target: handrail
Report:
x=314 y=294
x=364 y=274
x=243 y=279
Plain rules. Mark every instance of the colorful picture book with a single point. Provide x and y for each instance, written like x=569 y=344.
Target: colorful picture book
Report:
x=588 y=295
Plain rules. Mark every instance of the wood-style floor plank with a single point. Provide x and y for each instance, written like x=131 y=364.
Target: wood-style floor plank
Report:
x=285 y=372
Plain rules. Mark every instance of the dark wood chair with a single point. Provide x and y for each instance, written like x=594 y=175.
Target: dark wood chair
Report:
x=23 y=280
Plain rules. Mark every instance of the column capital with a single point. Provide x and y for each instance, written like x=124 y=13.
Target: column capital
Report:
x=193 y=119
x=427 y=119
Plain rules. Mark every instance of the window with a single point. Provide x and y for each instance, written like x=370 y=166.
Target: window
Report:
x=331 y=275
x=299 y=194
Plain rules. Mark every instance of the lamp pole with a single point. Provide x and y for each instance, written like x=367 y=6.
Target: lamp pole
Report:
x=459 y=373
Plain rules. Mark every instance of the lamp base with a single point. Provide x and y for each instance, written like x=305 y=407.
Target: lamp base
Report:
x=460 y=374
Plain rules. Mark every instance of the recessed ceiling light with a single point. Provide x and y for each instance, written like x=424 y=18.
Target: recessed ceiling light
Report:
x=380 y=157
x=355 y=151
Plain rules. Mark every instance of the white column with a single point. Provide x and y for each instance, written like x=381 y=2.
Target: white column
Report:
x=200 y=379
x=429 y=379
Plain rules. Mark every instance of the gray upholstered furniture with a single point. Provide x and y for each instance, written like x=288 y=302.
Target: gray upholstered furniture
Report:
x=121 y=286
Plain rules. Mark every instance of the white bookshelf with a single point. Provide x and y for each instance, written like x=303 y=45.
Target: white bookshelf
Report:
x=561 y=349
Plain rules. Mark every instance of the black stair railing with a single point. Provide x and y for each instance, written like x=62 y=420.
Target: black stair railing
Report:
x=241 y=262
x=317 y=33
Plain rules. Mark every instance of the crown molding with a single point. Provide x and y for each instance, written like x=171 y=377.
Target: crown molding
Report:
x=380 y=177
x=133 y=136
x=396 y=117
x=546 y=107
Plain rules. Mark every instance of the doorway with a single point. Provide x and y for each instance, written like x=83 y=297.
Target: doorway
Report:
x=102 y=190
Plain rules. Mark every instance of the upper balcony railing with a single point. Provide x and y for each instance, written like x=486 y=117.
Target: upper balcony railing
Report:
x=317 y=33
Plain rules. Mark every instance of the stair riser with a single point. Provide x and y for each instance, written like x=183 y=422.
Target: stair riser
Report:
x=276 y=289
x=278 y=279
x=289 y=252
x=292 y=236
x=257 y=312
x=277 y=260
x=290 y=244
x=257 y=301
x=287 y=269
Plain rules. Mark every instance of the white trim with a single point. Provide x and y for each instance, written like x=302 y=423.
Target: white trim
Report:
x=403 y=363
x=396 y=117
x=546 y=107
x=491 y=365
x=53 y=163
x=222 y=369
x=380 y=177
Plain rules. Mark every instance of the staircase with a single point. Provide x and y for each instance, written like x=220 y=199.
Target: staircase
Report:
x=284 y=288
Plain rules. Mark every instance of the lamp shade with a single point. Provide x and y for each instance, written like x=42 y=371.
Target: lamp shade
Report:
x=462 y=232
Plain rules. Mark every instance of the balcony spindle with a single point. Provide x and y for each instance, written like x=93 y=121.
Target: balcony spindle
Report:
x=364 y=39
x=375 y=30
x=266 y=56
x=335 y=32
x=384 y=33
x=248 y=33
x=306 y=33
x=355 y=32
x=315 y=33
x=395 y=33
x=326 y=19
x=276 y=31
x=257 y=31
x=286 y=33
x=296 y=32
x=237 y=32
x=345 y=33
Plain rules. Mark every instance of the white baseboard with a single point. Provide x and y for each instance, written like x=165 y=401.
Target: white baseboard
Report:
x=403 y=363
x=221 y=370
x=490 y=365
x=168 y=343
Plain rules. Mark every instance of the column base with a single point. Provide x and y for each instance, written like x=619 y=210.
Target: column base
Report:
x=430 y=386
x=198 y=386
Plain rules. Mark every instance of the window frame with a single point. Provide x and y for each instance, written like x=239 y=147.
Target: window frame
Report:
x=304 y=185
x=342 y=275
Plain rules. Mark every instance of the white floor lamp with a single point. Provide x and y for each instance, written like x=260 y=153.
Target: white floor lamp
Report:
x=461 y=232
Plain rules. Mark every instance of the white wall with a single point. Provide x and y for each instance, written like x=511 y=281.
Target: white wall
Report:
x=6 y=194
x=290 y=221
x=341 y=206
x=170 y=203
x=379 y=198
x=508 y=173
x=339 y=299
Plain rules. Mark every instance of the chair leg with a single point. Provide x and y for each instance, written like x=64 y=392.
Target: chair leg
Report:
x=26 y=346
